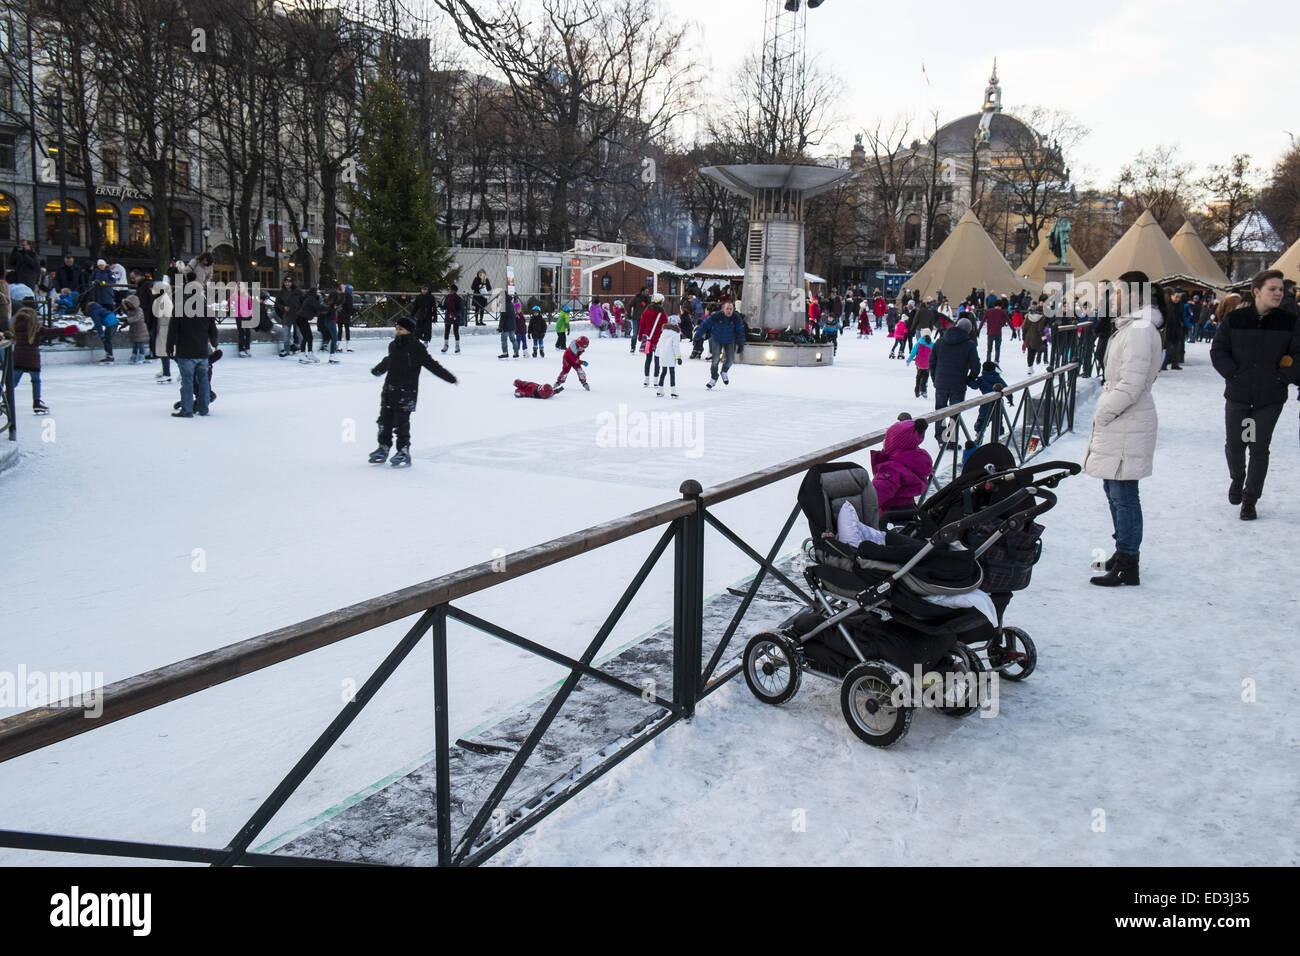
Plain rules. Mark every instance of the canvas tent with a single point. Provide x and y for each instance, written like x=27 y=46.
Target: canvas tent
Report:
x=1253 y=234
x=1290 y=262
x=967 y=260
x=1146 y=248
x=1035 y=267
x=1189 y=246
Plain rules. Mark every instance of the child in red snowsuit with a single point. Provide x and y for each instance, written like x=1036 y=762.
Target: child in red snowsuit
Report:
x=573 y=362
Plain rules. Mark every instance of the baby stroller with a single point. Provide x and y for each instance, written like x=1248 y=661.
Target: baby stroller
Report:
x=874 y=625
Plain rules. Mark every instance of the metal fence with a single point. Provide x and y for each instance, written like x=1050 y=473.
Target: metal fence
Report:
x=682 y=523
x=8 y=416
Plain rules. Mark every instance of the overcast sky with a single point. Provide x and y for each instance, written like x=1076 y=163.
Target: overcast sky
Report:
x=1211 y=77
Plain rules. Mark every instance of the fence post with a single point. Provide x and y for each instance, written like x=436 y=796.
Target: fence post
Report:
x=1046 y=421
x=442 y=742
x=7 y=390
x=688 y=601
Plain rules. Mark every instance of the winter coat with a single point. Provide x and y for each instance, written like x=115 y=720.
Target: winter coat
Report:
x=722 y=330
x=188 y=337
x=101 y=287
x=879 y=307
x=925 y=318
x=406 y=356
x=596 y=314
x=479 y=285
x=1017 y=319
x=162 y=311
x=27 y=354
x=506 y=322
x=900 y=330
x=653 y=321
x=537 y=325
x=572 y=362
x=70 y=277
x=135 y=320
x=1123 y=441
x=1033 y=331
x=669 y=347
x=562 y=323
x=954 y=362
x=987 y=380
x=521 y=323
x=422 y=308
x=287 y=301
x=451 y=307
x=994 y=320
x=921 y=353
x=901 y=468
x=1247 y=350
x=26 y=266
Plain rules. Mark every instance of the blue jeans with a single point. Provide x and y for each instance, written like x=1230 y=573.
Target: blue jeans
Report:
x=288 y=329
x=139 y=350
x=942 y=399
x=194 y=385
x=995 y=345
x=505 y=342
x=1125 y=514
x=726 y=353
x=36 y=383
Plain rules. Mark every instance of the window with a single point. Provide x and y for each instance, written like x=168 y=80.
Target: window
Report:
x=912 y=231
x=106 y=221
x=181 y=172
x=137 y=227
x=180 y=232
x=8 y=218
x=76 y=217
x=6 y=92
x=112 y=162
x=942 y=226
x=605 y=283
x=8 y=151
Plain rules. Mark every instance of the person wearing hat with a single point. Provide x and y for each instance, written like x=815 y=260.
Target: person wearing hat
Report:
x=640 y=303
x=401 y=368
x=452 y=309
x=287 y=301
x=506 y=326
x=562 y=329
x=101 y=285
x=422 y=310
x=653 y=320
x=954 y=367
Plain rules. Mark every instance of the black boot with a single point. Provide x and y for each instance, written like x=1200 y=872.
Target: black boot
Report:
x=1248 y=509
x=1234 y=492
x=379 y=455
x=1125 y=571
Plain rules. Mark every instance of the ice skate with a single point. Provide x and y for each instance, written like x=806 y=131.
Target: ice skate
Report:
x=106 y=360
x=334 y=361
x=40 y=408
x=724 y=379
x=379 y=455
x=503 y=355
x=673 y=393
x=444 y=350
x=403 y=457
x=647 y=382
x=710 y=383
x=161 y=379
x=457 y=348
x=659 y=392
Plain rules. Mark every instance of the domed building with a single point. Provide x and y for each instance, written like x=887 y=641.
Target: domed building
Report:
x=967 y=163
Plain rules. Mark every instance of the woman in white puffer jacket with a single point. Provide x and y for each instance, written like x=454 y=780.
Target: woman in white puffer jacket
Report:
x=1122 y=446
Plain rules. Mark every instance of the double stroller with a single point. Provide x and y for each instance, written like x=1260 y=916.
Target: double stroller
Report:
x=924 y=606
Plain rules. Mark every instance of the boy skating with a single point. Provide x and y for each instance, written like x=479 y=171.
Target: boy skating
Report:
x=406 y=356
x=573 y=362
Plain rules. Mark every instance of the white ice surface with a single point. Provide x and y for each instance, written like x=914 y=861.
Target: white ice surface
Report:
x=1135 y=709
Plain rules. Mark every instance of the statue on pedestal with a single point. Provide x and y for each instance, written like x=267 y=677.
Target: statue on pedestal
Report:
x=1059 y=241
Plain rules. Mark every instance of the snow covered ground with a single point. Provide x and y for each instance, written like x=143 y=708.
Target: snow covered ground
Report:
x=137 y=540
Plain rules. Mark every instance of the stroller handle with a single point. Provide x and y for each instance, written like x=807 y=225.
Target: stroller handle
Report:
x=951 y=532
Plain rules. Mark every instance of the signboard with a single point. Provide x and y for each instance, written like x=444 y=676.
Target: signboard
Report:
x=575 y=277
x=590 y=247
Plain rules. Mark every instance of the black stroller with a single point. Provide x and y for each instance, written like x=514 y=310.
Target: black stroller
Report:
x=877 y=628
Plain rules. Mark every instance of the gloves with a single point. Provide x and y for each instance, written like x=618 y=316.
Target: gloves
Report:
x=586 y=386
x=375 y=371
x=584 y=364
x=997 y=388
x=679 y=360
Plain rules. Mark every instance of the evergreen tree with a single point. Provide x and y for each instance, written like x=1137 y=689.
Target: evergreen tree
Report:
x=399 y=245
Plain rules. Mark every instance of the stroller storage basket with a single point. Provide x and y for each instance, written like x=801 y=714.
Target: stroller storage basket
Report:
x=1009 y=563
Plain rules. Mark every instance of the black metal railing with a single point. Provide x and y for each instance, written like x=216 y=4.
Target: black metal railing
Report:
x=8 y=417
x=682 y=524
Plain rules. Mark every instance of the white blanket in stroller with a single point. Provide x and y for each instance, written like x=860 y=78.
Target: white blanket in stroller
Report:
x=850 y=529
x=980 y=600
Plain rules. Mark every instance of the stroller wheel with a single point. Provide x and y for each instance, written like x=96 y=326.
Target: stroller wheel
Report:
x=772 y=668
x=866 y=697
x=1016 y=657
x=965 y=666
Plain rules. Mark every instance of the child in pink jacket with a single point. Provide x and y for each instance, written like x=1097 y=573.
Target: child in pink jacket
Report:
x=901 y=469
x=900 y=336
x=921 y=353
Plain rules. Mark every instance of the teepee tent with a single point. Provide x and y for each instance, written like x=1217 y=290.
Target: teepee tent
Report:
x=967 y=260
x=1035 y=267
x=1290 y=262
x=1188 y=245
x=718 y=262
x=1146 y=248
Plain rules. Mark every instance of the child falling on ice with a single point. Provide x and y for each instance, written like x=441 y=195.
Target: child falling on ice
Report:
x=573 y=362
x=668 y=354
x=406 y=356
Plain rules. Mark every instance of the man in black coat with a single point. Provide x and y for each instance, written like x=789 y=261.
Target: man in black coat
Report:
x=71 y=276
x=422 y=310
x=287 y=301
x=1257 y=351
x=954 y=367
x=188 y=341
x=406 y=357
x=144 y=292
x=640 y=302
x=26 y=265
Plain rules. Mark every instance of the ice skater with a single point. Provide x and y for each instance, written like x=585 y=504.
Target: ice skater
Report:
x=406 y=356
x=537 y=332
x=668 y=355
x=653 y=320
x=573 y=362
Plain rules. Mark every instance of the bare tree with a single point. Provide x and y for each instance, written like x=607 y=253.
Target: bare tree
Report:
x=590 y=77
x=1158 y=181
x=1032 y=168
x=764 y=129
x=1231 y=189
x=1280 y=199
x=891 y=170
